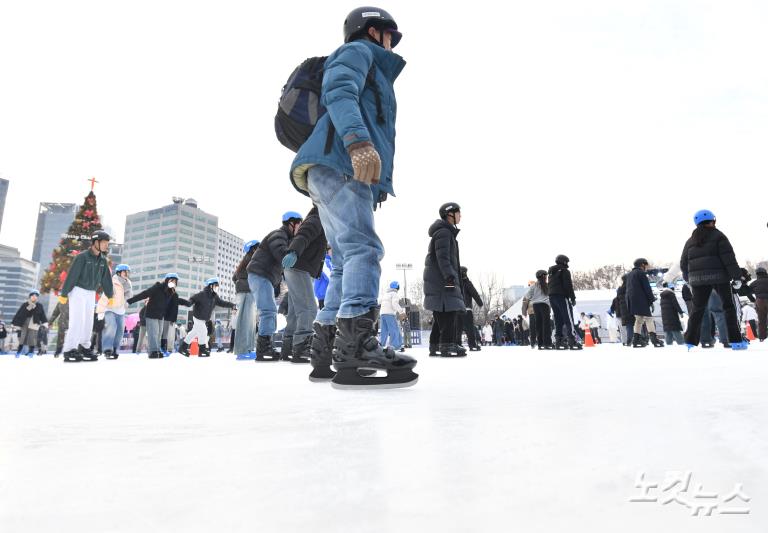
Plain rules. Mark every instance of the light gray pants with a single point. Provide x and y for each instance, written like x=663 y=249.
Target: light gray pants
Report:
x=650 y=325
x=301 y=302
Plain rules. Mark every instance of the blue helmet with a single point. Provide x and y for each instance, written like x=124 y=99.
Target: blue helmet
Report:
x=250 y=244
x=211 y=281
x=122 y=267
x=394 y=285
x=172 y=275
x=703 y=215
x=290 y=215
x=34 y=292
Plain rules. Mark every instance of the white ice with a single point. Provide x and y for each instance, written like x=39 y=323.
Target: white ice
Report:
x=508 y=439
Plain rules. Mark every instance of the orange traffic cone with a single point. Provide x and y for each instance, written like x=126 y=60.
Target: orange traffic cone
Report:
x=588 y=340
x=750 y=333
x=194 y=348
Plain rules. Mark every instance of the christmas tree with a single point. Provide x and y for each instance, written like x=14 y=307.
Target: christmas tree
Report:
x=76 y=240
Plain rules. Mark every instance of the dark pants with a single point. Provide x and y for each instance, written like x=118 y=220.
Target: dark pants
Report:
x=541 y=323
x=468 y=325
x=761 y=305
x=446 y=325
x=532 y=325
x=563 y=316
x=700 y=300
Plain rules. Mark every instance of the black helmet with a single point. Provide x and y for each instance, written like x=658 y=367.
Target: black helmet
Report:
x=761 y=271
x=359 y=20
x=562 y=260
x=640 y=261
x=100 y=236
x=540 y=274
x=450 y=207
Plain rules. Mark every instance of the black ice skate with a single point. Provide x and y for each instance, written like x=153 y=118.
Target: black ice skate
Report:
x=656 y=341
x=451 y=350
x=433 y=351
x=546 y=347
x=264 y=350
x=183 y=349
x=301 y=351
x=72 y=356
x=637 y=341
x=321 y=353
x=462 y=350
x=357 y=349
x=109 y=354
x=286 y=349
x=560 y=344
x=155 y=355
x=573 y=344
x=88 y=354
x=205 y=351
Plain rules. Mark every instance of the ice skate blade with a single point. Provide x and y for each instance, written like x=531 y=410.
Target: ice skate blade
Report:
x=374 y=386
x=319 y=380
x=352 y=378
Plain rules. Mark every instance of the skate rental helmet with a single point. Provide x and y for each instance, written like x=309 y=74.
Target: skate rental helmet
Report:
x=359 y=20
x=122 y=267
x=448 y=208
x=640 y=261
x=34 y=292
x=100 y=236
x=562 y=260
x=540 y=274
x=292 y=216
x=250 y=244
x=211 y=281
x=172 y=275
x=394 y=285
x=761 y=271
x=703 y=215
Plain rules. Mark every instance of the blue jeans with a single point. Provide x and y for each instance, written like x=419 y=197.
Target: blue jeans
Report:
x=264 y=295
x=390 y=329
x=346 y=211
x=676 y=336
x=245 y=329
x=302 y=307
x=113 y=331
x=154 y=332
x=714 y=306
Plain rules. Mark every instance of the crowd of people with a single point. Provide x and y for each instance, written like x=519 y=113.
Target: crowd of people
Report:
x=323 y=267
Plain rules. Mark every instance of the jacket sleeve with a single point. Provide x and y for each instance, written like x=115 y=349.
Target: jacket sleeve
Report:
x=343 y=82
x=568 y=284
x=308 y=232
x=443 y=247
x=40 y=312
x=728 y=257
x=678 y=309
x=184 y=302
x=223 y=303
x=106 y=281
x=143 y=295
x=684 y=260
x=74 y=272
x=647 y=289
x=56 y=313
x=278 y=246
x=473 y=293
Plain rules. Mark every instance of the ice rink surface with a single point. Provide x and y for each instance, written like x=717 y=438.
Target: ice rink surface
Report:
x=507 y=439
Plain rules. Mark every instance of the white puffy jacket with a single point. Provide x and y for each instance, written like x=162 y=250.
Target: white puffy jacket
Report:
x=390 y=304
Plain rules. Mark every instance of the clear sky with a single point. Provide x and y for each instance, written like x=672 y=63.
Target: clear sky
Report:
x=594 y=129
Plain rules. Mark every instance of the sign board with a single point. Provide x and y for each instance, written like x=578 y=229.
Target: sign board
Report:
x=404 y=266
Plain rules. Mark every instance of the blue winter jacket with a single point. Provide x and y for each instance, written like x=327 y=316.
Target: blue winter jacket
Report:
x=351 y=105
x=321 y=283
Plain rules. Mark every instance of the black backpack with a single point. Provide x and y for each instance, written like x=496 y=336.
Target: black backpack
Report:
x=299 y=107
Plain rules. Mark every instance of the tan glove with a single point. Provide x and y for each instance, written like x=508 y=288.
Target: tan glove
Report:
x=365 y=162
x=63 y=300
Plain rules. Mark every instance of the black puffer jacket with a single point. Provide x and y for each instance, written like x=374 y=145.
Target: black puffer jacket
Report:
x=310 y=245
x=441 y=268
x=712 y=263
x=267 y=261
x=560 y=281
x=760 y=286
x=639 y=293
x=37 y=314
x=162 y=301
x=687 y=294
x=240 y=277
x=205 y=302
x=627 y=319
x=670 y=311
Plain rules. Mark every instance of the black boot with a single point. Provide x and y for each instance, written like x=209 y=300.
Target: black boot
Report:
x=301 y=351
x=264 y=349
x=461 y=349
x=184 y=348
x=573 y=344
x=321 y=352
x=637 y=341
x=205 y=351
x=357 y=348
x=450 y=350
x=433 y=350
x=560 y=344
x=88 y=354
x=656 y=341
x=109 y=354
x=72 y=356
x=286 y=350
x=155 y=355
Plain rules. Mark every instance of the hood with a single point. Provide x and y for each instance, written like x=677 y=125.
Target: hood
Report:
x=390 y=63
x=440 y=224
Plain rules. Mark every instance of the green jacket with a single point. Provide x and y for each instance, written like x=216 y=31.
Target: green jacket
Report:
x=89 y=272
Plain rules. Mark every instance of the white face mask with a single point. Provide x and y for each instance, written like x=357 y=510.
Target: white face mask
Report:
x=214 y=289
x=171 y=284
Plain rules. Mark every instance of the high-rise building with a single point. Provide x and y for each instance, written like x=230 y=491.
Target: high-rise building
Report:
x=18 y=276
x=53 y=220
x=115 y=253
x=3 y=195
x=179 y=238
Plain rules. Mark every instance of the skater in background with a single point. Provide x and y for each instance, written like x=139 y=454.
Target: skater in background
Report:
x=562 y=298
x=760 y=289
x=203 y=305
x=321 y=283
x=3 y=337
x=538 y=298
x=390 y=311
x=160 y=297
x=60 y=313
x=594 y=327
x=265 y=272
x=140 y=331
x=488 y=334
x=29 y=319
x=468 y=318
x=749 y=316
x=243 y=342
x=301 y=265
x=442 y=279
x=114 y=314
x=671 y=313
x=708 y=264
x=88 y=273
x=42 y=340
x=346 y=167
x=640 y=300
x=627 y=318
x=98 y=329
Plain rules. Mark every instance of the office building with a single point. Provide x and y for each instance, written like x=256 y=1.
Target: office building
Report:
x=3 y=195
x=18 y=277
x=53 y=220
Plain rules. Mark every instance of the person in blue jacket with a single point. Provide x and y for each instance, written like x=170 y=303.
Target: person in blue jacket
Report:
x=345 y=166
x=321 y=283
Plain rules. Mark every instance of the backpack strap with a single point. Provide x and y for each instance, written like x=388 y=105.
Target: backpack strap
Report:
x=370 y=79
